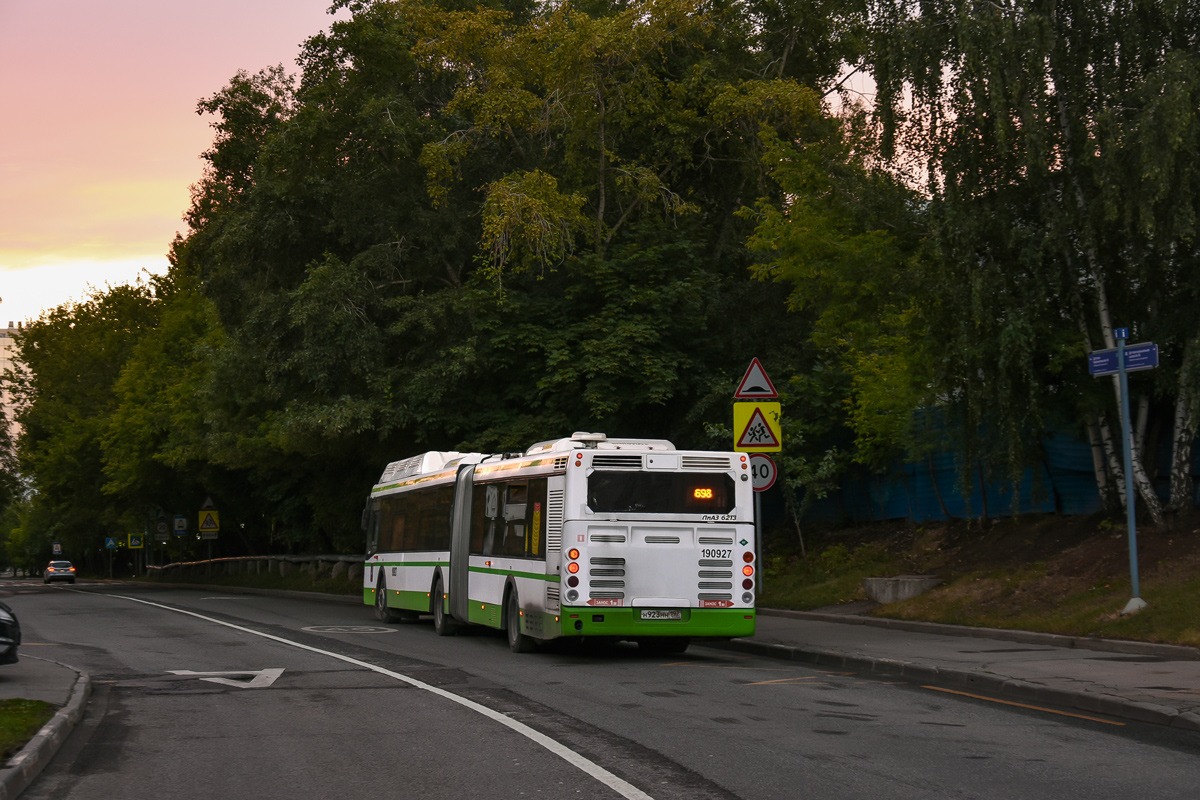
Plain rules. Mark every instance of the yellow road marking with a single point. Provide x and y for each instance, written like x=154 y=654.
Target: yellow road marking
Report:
x=783 y=680
x=1022 y=705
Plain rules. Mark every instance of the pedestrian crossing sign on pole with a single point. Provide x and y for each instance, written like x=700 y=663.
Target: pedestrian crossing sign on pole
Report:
x=756 y=428
x=135 y=541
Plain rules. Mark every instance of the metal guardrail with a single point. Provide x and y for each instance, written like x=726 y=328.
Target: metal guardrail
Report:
x=284 y=565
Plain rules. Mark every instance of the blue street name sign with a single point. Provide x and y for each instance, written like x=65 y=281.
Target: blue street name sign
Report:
x=1137 y=357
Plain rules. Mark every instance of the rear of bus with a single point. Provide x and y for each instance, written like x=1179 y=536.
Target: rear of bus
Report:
x=658 y=546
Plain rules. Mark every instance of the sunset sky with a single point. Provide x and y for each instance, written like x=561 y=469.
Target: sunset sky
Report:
x=99 y=136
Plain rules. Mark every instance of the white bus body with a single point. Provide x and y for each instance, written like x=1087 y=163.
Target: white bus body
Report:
x=580 y=537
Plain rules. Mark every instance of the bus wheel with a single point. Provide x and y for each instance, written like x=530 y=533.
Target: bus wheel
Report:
x=517 y=641
x=442 y=624
x=664 y=646
x=382 y=612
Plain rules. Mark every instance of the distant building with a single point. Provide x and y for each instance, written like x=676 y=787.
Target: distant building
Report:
x=8 y=347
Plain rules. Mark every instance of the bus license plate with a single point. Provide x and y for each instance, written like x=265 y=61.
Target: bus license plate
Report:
x=661 y=613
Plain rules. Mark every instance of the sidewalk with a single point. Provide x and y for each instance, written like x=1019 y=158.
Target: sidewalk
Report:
x=34 y=678
x=1139 y=681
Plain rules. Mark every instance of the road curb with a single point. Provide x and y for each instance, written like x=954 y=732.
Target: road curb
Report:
x=1171 y=651
x=22 y=768
x=1010 y=688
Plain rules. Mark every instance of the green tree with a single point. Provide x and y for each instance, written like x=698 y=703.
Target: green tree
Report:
x=72 y=358
x=1056 y=141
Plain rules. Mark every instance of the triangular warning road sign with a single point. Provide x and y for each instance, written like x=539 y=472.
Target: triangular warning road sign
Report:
x=758 y=433
x=755 y=384
x=208 y=522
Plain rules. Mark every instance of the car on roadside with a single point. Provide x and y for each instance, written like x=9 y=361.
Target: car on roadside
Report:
x=59 y=571
x=10 y=635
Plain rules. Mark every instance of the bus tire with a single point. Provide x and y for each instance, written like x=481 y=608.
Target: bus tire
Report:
x=382 y=612
x=517 y=641
x=442 y=624
x=664 y=646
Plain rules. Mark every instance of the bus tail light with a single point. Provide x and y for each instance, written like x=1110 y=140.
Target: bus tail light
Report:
x=747 y=584
x=747 y=556
x=572 y=568
x=572 y=554
x=747 y=570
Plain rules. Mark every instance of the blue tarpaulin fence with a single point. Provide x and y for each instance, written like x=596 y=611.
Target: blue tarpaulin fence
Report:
x=932 y=489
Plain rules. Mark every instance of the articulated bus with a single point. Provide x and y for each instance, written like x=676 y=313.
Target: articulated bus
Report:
x=579 y=537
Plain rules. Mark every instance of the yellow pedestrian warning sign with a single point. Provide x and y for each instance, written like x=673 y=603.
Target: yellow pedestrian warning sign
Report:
x=757 y=428
x=210 y=520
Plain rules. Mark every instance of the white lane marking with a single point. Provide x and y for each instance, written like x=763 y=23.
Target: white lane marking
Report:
x=618 y=785
x=261 y=680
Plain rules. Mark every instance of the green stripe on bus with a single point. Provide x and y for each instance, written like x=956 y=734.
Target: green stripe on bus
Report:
x=537 y=576
x=402 y=600
x=410 y=564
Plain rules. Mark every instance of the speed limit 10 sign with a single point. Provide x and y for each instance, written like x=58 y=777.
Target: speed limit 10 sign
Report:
x=763 y=471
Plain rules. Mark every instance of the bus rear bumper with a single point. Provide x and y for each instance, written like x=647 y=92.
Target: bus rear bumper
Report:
x=629 y=623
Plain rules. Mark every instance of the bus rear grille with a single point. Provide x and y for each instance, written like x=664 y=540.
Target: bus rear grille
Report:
x=715 y=540
x=610 y=595
x=715 y=573
x=610 y=572
x=607 y=537
x=560 y=463
x=621 y=585
x=715 y=562
x=712 y=596
x=611 y=562
x=705 y=462
x=662 y=540
x=616 y=462
x=552 y=597
x=554 y=520
x=715 y=585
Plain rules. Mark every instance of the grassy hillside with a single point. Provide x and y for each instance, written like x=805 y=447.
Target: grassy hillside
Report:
x=1066 y=575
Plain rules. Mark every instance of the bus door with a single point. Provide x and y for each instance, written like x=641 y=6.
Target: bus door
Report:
x=460 y=539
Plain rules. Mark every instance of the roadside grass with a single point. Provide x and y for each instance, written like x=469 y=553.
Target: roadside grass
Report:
x=19 y=721
x=831 y=577
x=1073 y=608
x=1032 y=596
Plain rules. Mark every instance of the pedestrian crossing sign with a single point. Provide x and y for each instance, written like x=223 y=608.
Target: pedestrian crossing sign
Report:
x=210 y=520
x=756 y=428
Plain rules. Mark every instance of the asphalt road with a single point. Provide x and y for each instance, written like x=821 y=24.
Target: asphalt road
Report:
x=326 y=702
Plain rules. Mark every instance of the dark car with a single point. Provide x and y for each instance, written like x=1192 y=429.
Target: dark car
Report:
x=10 y=635
x=59 y=571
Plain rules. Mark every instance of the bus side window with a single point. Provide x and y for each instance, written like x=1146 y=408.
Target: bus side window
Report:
x=535 y=519
x=372 y=514
x=393 y=534
x=515 y=497
x=491 y=513
x=479 y=520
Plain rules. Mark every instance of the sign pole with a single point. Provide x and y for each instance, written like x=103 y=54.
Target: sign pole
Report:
x=1136 y=603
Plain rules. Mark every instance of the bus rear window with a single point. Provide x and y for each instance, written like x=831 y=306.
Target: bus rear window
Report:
x=660 y=492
